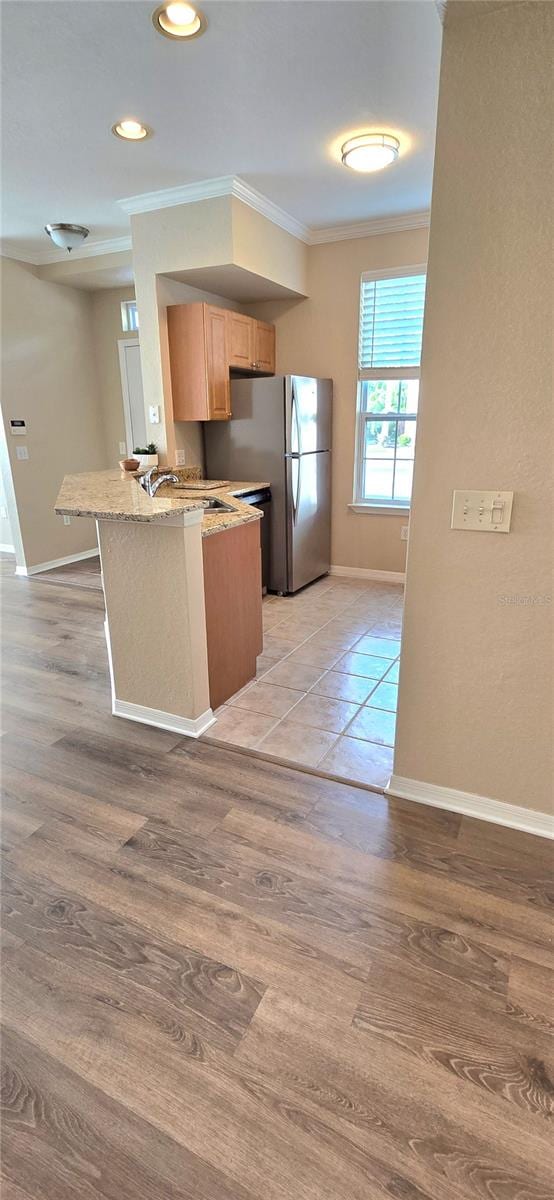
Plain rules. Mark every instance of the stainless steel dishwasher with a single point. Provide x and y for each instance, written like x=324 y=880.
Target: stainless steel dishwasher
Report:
x=261 y=498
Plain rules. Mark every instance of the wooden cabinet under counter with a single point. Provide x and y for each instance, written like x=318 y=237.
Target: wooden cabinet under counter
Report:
x=233 y=601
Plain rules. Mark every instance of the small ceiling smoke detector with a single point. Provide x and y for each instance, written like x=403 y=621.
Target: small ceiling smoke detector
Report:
x=370 y=151
x=131 y=131
x=179 y=21
x=67 y=236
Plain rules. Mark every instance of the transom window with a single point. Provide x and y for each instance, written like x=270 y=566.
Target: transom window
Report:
x=129 y=316
x=391 y=325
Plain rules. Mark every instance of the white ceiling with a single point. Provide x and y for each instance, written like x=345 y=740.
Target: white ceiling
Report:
x=268 y=93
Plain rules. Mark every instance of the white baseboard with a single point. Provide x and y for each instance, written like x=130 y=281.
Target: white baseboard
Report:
x=5 y=548
x=480 y=807
x=369 y=573
x=163 y=720
x=57 y=562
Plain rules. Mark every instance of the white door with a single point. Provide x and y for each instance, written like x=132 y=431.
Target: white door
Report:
x=133 y=396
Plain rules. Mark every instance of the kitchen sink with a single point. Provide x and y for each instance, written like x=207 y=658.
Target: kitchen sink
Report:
x=214 y=503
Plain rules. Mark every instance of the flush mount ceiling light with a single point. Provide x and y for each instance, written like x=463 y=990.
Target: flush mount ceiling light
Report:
x=67 y=236
x=179 y=21
x=131 y=131
x=370 y=151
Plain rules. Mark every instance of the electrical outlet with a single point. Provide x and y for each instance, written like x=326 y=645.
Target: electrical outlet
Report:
x=3 y=513
x=179 y=458
x=67 y=520
x=404 y=529
x=22 y=453
x=122 y=448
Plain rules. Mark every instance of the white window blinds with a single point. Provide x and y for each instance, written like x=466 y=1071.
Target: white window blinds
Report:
x=391 y=322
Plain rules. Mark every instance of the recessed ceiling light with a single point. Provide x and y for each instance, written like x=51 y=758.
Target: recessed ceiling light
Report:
x=370 y=151
x=131 y=131
x=67 y=236
x=179 y=20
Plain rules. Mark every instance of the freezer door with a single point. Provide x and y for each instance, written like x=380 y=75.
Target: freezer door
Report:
x=308 y=482
x=307 y=414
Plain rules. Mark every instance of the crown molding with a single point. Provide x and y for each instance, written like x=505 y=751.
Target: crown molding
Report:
x=44 y=258
x=207 y=189
x=268 y=209
x=188 y=193
x=230 y=185
x=371 y=228
x=12 y=250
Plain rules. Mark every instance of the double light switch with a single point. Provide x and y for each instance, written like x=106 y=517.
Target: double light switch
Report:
x=490 y=512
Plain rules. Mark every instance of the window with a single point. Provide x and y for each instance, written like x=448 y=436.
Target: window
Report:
x=391 y=324
x=129 y=316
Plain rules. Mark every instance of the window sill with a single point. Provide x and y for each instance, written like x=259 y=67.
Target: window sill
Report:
x=383 y=510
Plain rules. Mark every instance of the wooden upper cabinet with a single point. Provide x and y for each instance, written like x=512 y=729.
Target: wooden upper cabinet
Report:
x=219 y=383
x=242 y=340
x=251 y=344
x=199 y=362
x=205 y=343
x=264 y=357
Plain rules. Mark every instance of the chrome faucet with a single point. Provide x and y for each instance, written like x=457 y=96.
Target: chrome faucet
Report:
x=151 y=485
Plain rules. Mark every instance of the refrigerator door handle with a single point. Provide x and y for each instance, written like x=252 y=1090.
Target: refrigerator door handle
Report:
x=295 y=421
x=295 y=485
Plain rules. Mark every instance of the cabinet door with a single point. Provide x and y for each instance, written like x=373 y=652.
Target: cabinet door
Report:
x=242 y=340
x=186 y=329
x=219 y=385
x=264 y=358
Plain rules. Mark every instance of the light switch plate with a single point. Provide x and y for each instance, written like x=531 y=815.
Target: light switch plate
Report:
x=404 y=531
x=154 y=414
x=487 y=512
x=21 y=452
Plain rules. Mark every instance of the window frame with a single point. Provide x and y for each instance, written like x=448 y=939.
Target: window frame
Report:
x=125 y=326
x=368 y=374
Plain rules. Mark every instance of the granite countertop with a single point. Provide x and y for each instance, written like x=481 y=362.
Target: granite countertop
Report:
x=116 y=495
x=213 y=522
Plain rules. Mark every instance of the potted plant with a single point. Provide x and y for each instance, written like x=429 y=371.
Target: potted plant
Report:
x=147 y=455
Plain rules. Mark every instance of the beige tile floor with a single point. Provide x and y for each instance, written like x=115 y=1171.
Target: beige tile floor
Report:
x=327 y=682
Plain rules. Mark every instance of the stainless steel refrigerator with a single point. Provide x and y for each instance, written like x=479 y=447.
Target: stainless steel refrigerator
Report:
x=280 y=432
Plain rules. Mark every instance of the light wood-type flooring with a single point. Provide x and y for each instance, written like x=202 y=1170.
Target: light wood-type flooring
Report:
x=225 y=979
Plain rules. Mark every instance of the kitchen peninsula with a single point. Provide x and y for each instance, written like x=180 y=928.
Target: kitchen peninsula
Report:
x=182 y=588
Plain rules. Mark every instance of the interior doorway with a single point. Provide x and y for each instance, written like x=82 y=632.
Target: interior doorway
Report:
x=133 y=396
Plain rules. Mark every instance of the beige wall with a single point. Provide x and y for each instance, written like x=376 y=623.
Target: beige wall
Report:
x=107 y=333
x=49 y=378
x=155 y=661
x=319 y=336
x=267 y=250
x=475 y=683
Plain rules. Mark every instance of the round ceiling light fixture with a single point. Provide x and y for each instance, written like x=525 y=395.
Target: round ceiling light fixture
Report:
x=179 y=21
x=370 y=151
x=131 y=131
x=67 y=237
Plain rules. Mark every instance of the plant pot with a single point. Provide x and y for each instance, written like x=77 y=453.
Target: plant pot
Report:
x=147 y=460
